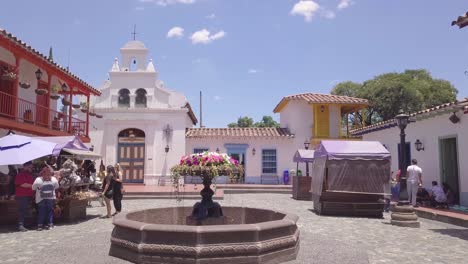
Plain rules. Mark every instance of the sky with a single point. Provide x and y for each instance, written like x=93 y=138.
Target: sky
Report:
x=245 y=55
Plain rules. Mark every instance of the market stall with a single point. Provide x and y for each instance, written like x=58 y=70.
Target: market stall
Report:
x=350 y=178
x=302 y=184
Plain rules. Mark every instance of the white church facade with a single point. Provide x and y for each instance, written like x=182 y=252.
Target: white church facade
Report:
x=147 y=128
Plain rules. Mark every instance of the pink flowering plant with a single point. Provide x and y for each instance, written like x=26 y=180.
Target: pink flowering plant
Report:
x=211 y=164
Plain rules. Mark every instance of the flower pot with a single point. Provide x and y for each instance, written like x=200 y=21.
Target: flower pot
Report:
x=84 y=110
x=98 y=116
x=76 y=106
x=40 y=91
x=9 y=76
x=65 y=102
x=92 y=113
x=24 y=85
x=54 y=96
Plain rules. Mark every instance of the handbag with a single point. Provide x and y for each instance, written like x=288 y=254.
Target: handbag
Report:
x=109 y=193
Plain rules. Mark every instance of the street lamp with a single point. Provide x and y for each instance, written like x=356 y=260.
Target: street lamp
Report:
x=306 y=146
x=166 y=148
x=403 y=213
x=38 y=74
x=419 y=145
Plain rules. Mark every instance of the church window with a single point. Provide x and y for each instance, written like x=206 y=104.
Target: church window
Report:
x=124 y=98
x=140 y=99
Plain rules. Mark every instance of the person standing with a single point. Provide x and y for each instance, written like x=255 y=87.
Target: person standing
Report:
x=414 y=180
x=45 y=186
x=23 y=192
x=118 y=189
x=108 y=189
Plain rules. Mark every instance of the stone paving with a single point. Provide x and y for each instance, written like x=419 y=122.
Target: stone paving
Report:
x=323 y=239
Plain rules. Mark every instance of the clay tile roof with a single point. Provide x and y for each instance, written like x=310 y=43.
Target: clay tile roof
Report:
x=392 y=122
x=190 y=113
x=462 y=21
x=255 y=132
x=315 y=98
x=27 y=48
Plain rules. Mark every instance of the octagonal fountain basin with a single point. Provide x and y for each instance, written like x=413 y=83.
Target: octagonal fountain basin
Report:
x=247 y=235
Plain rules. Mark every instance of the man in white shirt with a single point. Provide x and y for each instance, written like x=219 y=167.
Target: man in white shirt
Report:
x=45 y=186
x=414 y=175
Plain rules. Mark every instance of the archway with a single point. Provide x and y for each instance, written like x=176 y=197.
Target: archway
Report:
x=140 y=99
x=124 y=98
x=131 y=154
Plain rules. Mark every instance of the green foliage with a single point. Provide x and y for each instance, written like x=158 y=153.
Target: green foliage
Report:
x=245 y=121
x=392 y=93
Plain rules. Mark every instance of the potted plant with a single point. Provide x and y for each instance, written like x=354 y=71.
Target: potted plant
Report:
x=8 y=74
x=28 y=116
x=98 y=116
x=84 y=107
x=41 y=91
x=92 y=113
x=24 y=85
x=76 y=106
x=54 y=92
x=65 y=101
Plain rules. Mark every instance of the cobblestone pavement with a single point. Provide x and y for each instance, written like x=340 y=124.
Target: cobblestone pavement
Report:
x=323 y=239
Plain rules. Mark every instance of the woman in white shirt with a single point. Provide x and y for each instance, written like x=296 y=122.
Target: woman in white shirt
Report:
x=45 y=186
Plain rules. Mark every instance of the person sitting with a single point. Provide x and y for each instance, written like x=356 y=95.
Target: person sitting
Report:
x=438 y=197
x=422 y=196
x=449 y=194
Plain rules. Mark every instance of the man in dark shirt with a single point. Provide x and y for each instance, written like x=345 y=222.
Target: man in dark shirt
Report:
x=23 y=182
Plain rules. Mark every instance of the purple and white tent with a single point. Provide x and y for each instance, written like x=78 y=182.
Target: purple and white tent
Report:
x=351 y=166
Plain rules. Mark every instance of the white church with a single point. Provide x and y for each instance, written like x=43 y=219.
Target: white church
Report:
x=147 y=128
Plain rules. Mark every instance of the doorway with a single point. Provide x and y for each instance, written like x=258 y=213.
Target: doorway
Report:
x=131 y=155
x=449 y=165
x=237 y=152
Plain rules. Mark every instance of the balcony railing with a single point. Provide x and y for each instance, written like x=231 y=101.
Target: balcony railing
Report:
x=23 y=111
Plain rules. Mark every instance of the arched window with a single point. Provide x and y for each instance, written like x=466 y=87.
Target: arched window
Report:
x=140 y=99
x=124 y=98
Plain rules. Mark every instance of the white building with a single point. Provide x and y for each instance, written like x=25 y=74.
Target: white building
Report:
x=144 y=123
x=443 y=132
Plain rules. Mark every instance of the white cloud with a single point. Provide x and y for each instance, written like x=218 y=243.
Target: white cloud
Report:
x=253 y=71
x=204 y=36
x=76 y=22
x=139 y=8
x=217 y=98
x=306 y=9
x=175 y=32
x=345 y=4
x=334 y=82
x=211 y=16
x=328 y=14
x=168 y=2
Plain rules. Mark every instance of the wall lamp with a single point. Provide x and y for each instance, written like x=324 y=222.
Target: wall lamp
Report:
x=166 y=148
x=419 y=145
x=217 y=150
x=253 y=151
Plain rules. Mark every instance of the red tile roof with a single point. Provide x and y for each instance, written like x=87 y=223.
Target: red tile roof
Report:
x=28 y=49
x=252 y=132
x=315 y=98
x=392 y=122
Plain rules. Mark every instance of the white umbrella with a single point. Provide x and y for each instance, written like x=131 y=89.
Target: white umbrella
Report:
x=16 y=149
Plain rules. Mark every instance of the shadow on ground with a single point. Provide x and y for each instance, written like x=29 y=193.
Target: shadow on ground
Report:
x=459 y=233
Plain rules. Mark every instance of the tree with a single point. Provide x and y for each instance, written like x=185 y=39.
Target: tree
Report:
x=392 y=93
x=267 y=121
x=243 y=121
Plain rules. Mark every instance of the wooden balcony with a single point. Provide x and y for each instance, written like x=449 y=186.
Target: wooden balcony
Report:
x=22 y=115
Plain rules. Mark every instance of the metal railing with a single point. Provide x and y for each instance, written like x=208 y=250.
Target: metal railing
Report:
x=23 y=111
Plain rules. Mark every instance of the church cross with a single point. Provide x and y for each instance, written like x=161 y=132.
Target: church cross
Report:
x=134 y=32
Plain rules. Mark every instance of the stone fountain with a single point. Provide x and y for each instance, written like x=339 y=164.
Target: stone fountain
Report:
x=205 y=233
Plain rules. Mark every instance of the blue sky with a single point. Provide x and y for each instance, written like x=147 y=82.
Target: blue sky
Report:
x=257 y=51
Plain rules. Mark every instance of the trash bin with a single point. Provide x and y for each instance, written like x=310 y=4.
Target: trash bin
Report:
x=286 y=176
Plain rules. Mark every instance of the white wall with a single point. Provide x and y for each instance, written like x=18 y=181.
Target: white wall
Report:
x=298 y=116
x=429 y=131
x=284 y=153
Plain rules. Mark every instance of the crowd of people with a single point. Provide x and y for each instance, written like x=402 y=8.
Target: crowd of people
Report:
x=437 y=196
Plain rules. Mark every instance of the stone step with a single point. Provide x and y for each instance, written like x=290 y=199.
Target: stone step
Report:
x=240 y=191
x=183 y=197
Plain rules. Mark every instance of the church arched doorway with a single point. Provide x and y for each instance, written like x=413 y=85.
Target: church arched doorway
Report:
x=131 y=155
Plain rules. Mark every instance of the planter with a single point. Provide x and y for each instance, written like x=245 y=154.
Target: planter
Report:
x=65 y=102
x=92 y=113
x=24 y=85
x=28 y=116
x=40 y=91
x=54 y=96
x=98 y=116
x=84 y=110
x=10 y=76
x=301 y=187
x=73 y=209
x=76 y=106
